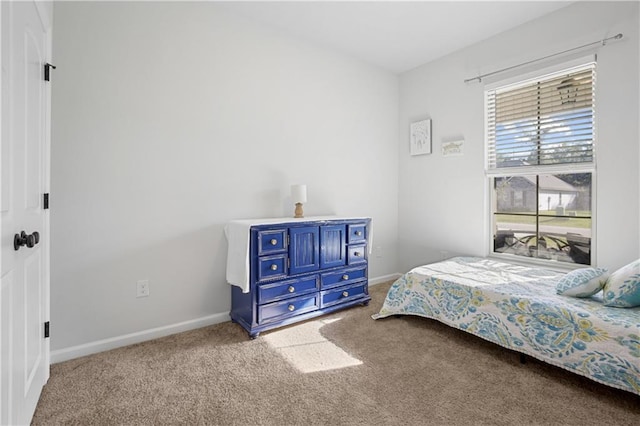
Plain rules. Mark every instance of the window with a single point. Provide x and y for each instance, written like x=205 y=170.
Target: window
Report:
x=540 y=163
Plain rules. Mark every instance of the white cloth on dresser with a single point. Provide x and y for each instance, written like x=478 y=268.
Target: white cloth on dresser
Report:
x=238 y=236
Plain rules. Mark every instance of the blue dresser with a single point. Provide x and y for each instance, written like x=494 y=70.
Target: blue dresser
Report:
x=301 y=269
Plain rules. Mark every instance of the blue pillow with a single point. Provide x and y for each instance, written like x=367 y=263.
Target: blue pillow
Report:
x=623 y=287
x=583 y=282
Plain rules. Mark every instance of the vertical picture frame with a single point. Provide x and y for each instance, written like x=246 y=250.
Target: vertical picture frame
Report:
x=420 y=137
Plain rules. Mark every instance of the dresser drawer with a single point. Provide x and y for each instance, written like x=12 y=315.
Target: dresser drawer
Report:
x=356 y=254
x=272 y=241
x=285 y=289
x=278 y=311
x=357 y=233
x=343 y=294
x=342 y=277
x=272 y=267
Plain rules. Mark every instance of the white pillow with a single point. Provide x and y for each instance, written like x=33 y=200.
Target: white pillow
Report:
x=582 y=282
x=623 y=287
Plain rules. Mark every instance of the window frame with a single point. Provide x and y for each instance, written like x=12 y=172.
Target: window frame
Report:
x=537 y=170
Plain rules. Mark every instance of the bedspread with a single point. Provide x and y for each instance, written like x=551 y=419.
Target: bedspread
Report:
x=517 y=307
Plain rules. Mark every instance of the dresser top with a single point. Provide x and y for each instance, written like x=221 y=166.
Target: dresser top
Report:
x=276 y=220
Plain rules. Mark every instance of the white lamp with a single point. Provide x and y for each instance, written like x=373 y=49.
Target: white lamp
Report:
x=299 y=196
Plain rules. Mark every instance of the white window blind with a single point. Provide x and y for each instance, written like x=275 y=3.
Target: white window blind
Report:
x=544 y=122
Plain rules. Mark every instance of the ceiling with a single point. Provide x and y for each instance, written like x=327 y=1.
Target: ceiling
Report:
x=394 y=35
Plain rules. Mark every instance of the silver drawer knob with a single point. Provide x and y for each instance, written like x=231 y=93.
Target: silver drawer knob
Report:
x=345 y=277
x=273 y=242
x=358 y=233
x=291 y=289
x=356 y=253
x=274 y=267
x=291 y=308
x=345 y=294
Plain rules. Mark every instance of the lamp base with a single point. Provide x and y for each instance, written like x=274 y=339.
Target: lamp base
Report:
x=298 y=212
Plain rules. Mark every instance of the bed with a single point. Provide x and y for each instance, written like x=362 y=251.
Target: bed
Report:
x=517 y=307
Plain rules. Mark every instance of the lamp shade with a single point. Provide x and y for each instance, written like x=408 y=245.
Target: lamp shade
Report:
x=299 y=193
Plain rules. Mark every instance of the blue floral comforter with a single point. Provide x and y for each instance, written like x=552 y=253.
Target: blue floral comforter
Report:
x=517 y=307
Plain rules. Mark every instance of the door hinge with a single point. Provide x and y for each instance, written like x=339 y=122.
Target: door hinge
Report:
x=46 y=330
x=45 y=202
x=47 y=71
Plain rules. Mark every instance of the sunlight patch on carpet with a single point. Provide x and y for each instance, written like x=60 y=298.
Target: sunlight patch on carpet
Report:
x=307 y=350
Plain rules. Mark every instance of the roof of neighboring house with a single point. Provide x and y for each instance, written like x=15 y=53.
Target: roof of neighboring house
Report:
x=551 y=183
x=547 y=182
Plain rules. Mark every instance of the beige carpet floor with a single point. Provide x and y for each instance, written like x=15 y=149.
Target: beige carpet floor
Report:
x=340 y=369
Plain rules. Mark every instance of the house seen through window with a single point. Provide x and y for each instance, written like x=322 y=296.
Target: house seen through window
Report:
x=540 y=162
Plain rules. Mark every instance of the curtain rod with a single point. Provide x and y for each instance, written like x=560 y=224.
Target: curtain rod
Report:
x=603 y=42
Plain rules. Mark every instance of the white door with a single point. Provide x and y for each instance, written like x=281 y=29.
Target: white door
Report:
x=24 y=293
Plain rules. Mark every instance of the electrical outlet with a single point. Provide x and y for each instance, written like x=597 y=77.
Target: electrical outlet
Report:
x=378 y=251
x=142 y=288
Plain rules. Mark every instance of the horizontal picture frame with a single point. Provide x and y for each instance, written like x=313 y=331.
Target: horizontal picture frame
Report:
x=453 y=148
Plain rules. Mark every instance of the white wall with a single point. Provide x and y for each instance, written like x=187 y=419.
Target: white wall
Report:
x=171 y=119
x=442 y=200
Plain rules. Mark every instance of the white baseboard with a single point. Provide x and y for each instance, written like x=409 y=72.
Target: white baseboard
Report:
x=137 y=337
x=384 y=278
x=141 y=336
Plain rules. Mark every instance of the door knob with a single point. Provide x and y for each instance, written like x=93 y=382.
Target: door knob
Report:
x=24 y=239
